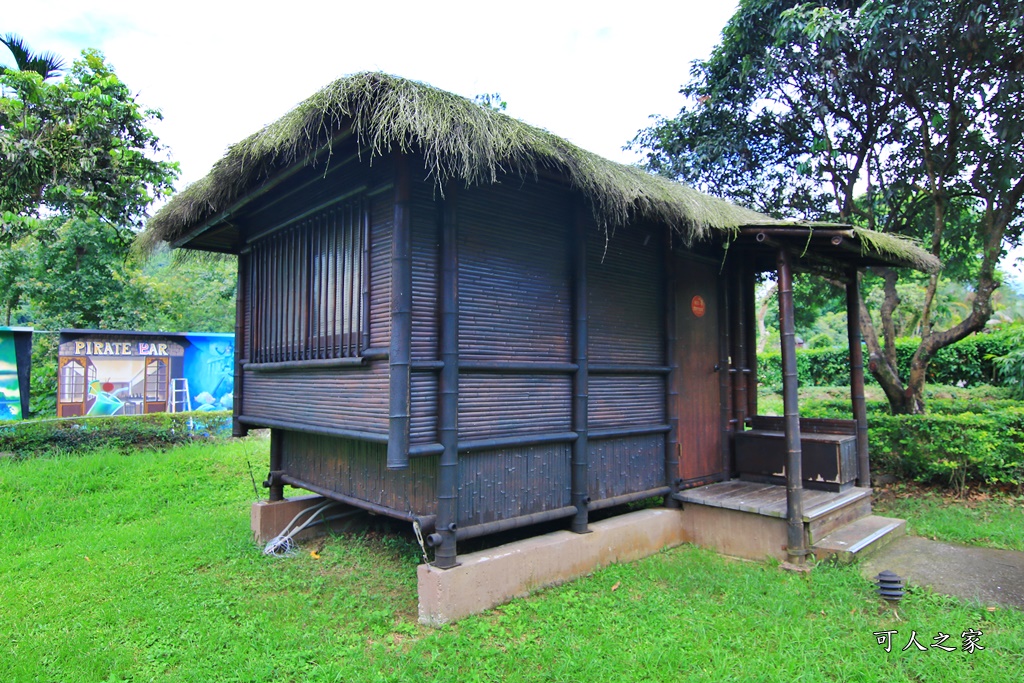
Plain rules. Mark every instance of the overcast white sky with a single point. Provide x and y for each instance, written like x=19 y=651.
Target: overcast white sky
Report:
x=592 y=72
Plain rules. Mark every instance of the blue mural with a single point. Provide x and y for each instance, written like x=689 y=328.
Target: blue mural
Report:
x=209 y=367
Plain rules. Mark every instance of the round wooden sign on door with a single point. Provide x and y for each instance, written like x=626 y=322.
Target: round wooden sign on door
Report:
x=697 y=306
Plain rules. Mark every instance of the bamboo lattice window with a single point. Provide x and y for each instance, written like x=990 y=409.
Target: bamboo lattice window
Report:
x=306 y=288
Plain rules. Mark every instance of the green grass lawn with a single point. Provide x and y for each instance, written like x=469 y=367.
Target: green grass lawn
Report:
x=994 y=520
x=140 y=567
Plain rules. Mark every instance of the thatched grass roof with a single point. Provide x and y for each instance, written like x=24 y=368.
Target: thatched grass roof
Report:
x=459 y=140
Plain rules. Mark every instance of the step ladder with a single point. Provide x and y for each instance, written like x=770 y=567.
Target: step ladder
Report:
x=181 y=400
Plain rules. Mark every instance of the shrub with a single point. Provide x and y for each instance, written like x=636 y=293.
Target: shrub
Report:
x=967 y=363
x=127 y=432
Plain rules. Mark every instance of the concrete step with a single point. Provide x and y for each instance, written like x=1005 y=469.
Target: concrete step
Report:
x=858 y=539
x=824 y=515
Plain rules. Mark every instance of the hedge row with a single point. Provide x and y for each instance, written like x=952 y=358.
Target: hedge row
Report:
x=954 y=445
x=127 y=432
x=962 y=364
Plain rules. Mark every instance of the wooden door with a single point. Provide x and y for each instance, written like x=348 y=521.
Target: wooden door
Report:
x=74 y=391
x=157 y=379
x=697 y=353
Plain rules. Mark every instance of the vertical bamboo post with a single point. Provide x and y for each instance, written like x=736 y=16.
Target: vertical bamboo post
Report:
x=445 y=553
x=580 y=473
x=739 y=358
x=241 y=303
x=364 y=308
x=748 y=283
x=796 y=540
x=400 y=352
x=276 y=465
x=672 y=380
x=725 y=379
x=860 y=412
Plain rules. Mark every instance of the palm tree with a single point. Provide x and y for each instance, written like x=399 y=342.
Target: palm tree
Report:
x=47 y=64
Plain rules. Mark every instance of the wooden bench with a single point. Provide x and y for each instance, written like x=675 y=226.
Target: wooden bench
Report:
x=829 y=450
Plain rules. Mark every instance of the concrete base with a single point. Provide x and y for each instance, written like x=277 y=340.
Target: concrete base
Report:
x=268 y=519
x=734 y=532
x=489 y=578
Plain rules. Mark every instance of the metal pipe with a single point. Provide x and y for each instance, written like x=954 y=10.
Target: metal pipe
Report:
x=580 y=464
x=445 y=555
x=427 y=522
x=860 y=411
x=796 y=539
x=629 y=498
x=400 y=353
x=497 y=526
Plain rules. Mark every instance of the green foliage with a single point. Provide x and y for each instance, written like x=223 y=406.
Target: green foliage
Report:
x=1009 y=361
x=79 y=148
x=125 y=432
x=970 y=362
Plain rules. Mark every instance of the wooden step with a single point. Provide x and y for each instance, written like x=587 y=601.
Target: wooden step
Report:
x=858 y=539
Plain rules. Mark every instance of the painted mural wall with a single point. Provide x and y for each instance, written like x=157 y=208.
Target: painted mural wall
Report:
x=15 y=364
x=131 y=373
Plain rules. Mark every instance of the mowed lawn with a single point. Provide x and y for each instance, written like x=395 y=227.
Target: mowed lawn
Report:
x=140 y=566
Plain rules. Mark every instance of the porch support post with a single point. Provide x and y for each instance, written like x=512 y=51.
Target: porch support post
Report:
x=672 y=380
x=860 y=412
x=796 y=539
x=400 y=352
x=726 y=381
x=748 y=283
x=448 y=387
x=580 y=391
x=739 y=368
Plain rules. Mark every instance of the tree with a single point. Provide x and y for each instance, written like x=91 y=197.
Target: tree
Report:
x=901 y=115
x=47 y=64
x=77 y=148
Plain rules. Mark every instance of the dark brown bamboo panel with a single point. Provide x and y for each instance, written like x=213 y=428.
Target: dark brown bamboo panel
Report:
x=626 y=465
x=425 y=271
x=510 y=482
x=382 y=215
x=357 y=469
x=423 y=393
x=314 y=186
x=626 y=297
x=514 y=275
x=348 y=398
x=497 y=405
x=626 y=400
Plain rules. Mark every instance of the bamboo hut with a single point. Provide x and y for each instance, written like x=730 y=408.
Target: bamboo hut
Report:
x=450 y=317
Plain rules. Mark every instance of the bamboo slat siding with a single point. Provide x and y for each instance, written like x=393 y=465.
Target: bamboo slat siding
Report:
x=350 y=398
x=626 y=298
x=496 y=405
x=425 y=269
x=423 y=428
x=626 y=400
x=510 y=482
x=626 y=465
x=357 y=469
x=382 y=213
x=514 y=286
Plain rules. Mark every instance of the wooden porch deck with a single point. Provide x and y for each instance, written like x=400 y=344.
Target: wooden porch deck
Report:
x=769 y=500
